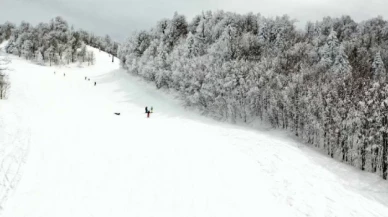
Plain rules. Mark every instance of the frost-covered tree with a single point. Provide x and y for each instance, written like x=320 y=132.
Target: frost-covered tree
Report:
x=82 y=53
x=27 y=50
x=39 y=57
x=226 y=47
x=4 y=82
x=378 y=69
x=90 y=57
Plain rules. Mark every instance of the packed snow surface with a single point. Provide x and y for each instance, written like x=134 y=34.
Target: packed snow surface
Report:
x=63 y=152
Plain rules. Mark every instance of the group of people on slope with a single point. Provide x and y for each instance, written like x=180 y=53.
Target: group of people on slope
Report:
x=146 y=108
x=64 y=74
x=149 y=111
x=88 y=79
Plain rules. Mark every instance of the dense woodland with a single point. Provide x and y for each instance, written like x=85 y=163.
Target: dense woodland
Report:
x=53 y=42
x=327 y=84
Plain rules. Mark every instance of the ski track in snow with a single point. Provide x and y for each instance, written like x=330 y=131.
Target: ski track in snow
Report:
x=69 y=155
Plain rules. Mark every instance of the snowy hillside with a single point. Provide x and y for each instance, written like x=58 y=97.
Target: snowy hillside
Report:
x=59 y=136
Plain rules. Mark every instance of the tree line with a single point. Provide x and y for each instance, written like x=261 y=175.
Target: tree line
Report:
x=327 y=83
x=54 y=42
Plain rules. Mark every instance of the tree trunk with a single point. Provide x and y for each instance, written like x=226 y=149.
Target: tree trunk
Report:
x=363 y=159
x=385 y=149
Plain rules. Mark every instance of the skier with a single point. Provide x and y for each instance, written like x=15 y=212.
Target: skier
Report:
x=95 y=83
x=152 y=109
x=88 y=79
x=85 y=78
x=64 y=74
x=146 y=109
x=148 y=114
x=54 y=72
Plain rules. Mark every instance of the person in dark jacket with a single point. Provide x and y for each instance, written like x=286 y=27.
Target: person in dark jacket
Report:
x=95 y=83
x=146 y=109
x=148 y=114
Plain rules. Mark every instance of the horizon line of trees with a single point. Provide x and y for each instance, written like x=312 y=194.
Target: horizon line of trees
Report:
x=327 y=84
x=53 y=42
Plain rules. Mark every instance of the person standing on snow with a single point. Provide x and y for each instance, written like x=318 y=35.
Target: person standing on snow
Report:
x=95 y=83
x=152 y=109
x=146 y=109
x=148 y=114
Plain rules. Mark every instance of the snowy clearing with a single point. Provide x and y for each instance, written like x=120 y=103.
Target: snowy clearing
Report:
x=69 y=155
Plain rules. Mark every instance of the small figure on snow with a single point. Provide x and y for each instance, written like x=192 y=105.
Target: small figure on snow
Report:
x=88 y=79
x=85 y=78
x=95 y=83
x=148 y=114
x=146 y=109
x=54 y=72
x=64 y=74
x=152 y=109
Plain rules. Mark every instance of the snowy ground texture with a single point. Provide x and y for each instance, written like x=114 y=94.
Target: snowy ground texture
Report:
x=64 y=153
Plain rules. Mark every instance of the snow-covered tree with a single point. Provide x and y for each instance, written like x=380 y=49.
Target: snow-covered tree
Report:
x=39 y=57
x=27 y=49
x=378 y=69
x=82 y=53
x=90 y=57
x=4 y=82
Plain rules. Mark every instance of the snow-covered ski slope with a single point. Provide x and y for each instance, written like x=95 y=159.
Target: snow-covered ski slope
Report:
x=74 y=157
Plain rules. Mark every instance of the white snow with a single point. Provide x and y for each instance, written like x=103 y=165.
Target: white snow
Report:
x=82 y=160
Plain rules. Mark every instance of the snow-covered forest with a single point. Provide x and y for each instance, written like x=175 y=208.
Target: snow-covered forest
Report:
x=327 y=84
x=53 y=42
